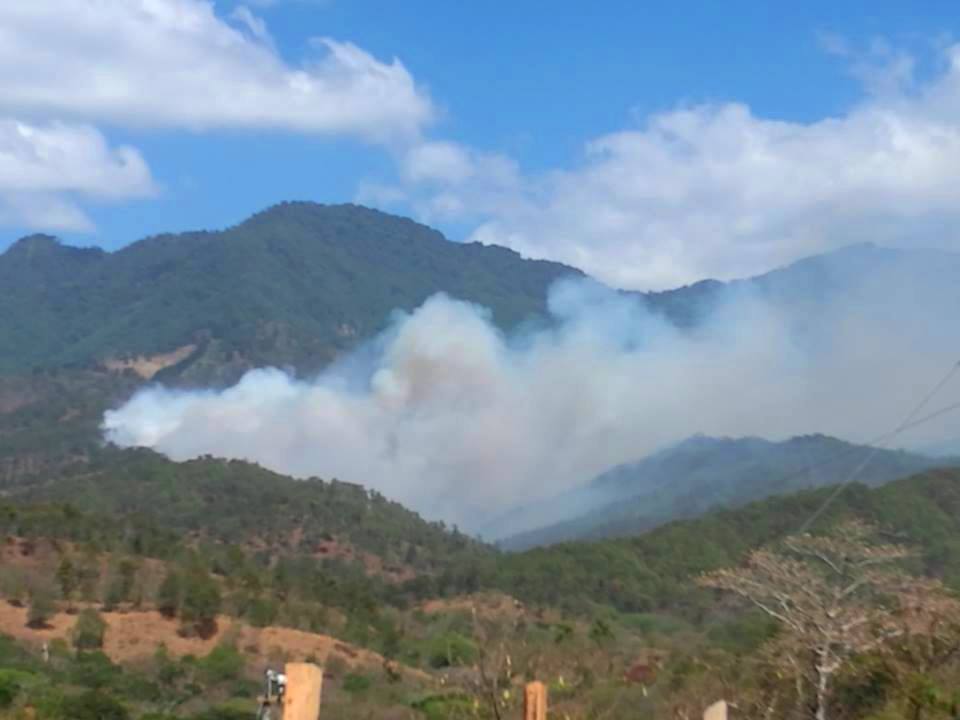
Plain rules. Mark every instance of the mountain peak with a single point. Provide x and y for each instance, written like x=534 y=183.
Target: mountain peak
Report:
x=32 y=245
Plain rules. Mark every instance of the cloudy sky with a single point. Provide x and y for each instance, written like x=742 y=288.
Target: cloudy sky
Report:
x=650 y=147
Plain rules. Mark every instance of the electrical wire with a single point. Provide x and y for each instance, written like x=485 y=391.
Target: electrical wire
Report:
x=910 y=421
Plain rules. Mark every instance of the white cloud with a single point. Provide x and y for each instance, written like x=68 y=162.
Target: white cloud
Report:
x=716 y=191
x=45 y=168
x=255 y=25
x=274 y=3
x=175 y=63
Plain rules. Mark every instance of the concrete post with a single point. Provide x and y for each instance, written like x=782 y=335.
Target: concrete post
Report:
x=301 y=700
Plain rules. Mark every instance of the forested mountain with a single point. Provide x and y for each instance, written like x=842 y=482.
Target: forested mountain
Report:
x=704 y=473
x=299 y=283
x=234 y=502
x=652 y=571
x=292 y=285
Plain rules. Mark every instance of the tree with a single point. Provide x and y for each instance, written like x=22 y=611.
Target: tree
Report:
x=42 y=608
x=835 y=597
x=97 y=705
x=89 y=631
x=67 y=578
x=168 y=595
x=200 y=604
x=120 y=586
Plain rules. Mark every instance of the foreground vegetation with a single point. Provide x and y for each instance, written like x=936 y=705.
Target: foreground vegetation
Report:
x=613 y=625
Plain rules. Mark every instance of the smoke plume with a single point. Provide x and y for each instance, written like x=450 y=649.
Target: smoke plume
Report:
x=457 y=420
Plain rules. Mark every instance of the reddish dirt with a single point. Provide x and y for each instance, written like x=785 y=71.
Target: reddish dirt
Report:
x=133 y=636
x=148 y=366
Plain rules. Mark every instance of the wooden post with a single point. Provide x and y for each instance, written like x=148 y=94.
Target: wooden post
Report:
x=535 y=701
x=717 y=711
x=301 y=701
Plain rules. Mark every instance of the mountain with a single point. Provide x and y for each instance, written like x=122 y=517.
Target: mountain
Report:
x=299 y=283
x=703 y=473
x=293 y=285
x=651 y=572
x=234 y=502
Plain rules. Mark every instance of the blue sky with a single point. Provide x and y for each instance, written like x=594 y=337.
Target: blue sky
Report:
x=646 y=143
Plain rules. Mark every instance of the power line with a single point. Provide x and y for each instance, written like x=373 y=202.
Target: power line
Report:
x=910 y=421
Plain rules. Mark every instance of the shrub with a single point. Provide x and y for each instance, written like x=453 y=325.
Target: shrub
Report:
x=224 y=663
x=262 y=612
x=42 y=608
x=355 y=683
x=451 y=649
x=168 y=595
x=9 y=688
x=222 y=713
x=200 y=604
x=89 y=630
x=94 y=670
x=96 y=705
x=443 y=706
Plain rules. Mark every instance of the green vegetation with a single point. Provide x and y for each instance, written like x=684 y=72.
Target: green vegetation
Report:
x=292 y=285
x=235 y=502
x=651 y=572
x=702 y=474
x=593 y=613
x=89 y=631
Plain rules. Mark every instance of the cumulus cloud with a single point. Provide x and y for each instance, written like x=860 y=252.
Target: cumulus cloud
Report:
x=715 y=190
x=45 y=168
x=453 y=418
x=176 y=63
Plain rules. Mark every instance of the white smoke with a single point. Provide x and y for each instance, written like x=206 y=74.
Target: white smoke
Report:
x=460 y=422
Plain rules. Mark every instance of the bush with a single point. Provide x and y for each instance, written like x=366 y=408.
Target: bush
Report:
x=222 y=713
x=42 y=608
x=13 y=586
x=355 y=683
x=262 y=612
x=94 y=670
x=9 y=688
x=200 y=604
x=451 y=649
x=168 y=595
x=89 y=630
x=224 y=663
x=95 y=705
x=443 y=706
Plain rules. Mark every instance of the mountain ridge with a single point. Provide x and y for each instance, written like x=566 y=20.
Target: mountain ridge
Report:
x=702 y=473
x=295 y=284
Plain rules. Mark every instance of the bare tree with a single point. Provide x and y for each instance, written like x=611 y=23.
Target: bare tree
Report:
x=835 y=597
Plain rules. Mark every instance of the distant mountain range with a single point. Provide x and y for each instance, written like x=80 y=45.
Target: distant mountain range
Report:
x=300 y=283
x=704 y=473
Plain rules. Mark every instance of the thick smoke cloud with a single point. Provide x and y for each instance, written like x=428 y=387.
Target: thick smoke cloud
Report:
x=451 y=417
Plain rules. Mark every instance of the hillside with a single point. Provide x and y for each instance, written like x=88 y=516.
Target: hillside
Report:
x=293 y=285
x=591 y=613
x=237 y=503
x=299 y=283
x=704 y=473
x=652 y=572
